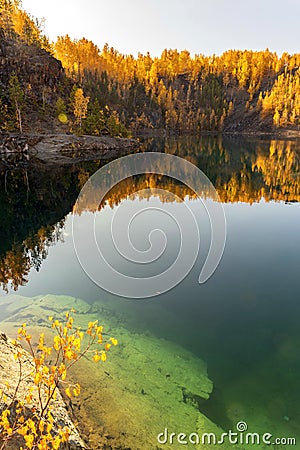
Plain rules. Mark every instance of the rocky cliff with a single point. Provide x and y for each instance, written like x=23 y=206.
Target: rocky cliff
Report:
x=41 y=78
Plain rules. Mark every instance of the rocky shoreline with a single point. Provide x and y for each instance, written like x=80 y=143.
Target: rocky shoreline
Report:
x=61 y=149
x=282 y=133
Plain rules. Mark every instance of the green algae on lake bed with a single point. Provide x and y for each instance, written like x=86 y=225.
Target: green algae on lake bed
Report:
x=146 y=384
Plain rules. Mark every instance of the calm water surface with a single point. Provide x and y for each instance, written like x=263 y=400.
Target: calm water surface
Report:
x=244 y=322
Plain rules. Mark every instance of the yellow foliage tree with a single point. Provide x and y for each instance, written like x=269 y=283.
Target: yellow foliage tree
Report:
x=80 y=106
x=37 y=430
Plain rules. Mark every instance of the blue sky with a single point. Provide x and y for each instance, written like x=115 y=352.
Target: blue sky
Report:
x=201 y=26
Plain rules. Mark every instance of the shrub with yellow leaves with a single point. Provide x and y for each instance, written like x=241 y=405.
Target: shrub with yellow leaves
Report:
x=29 y=420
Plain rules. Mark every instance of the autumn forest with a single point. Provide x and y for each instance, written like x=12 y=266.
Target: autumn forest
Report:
x=101 y=91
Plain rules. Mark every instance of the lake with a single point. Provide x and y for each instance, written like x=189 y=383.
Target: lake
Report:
x=243 y=322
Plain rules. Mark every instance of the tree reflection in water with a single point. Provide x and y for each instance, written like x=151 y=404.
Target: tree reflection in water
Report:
x=34 y=207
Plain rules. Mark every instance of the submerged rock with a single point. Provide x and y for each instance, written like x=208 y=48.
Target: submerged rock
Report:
x=146 y=384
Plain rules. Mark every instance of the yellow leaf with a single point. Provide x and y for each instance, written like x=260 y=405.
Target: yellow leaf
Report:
x=28 y=398
x=45 y=370
x=70 y=323
x=114 y=341
x=47 y=350
x=68 y=392
x=29 y=440
x=76 y=390
x=57 y=342
x=96 y=357
x=76 y=344
x=56 y=443
x=41 y=426
x=80 y=335
x=70 y=355
x=37 y=378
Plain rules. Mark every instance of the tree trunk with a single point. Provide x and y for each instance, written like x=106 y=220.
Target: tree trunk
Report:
x=20 y=120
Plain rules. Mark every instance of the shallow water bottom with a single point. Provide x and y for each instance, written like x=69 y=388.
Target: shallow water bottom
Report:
x=150 y=384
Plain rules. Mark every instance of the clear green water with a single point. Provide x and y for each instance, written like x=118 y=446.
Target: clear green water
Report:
x=244 y=322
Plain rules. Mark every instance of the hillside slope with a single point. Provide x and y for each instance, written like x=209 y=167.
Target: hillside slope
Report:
x=42 y=81
x=96 y=92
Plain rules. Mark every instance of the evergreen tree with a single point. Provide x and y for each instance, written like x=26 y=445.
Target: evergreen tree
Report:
x=17 y=98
